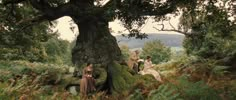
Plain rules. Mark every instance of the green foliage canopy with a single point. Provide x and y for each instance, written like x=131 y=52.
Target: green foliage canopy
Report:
x=21 y=39
x=213 y=30
x=208 y=21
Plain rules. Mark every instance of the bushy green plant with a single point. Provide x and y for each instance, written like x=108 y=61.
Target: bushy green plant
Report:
x=31 y=54
x=158 y=51
x=36 y=80
x=54 y=50
x=10 y=68
x=3 y=95
x=202 y=69
x=213 y=34
x=137 y=95
x=58 y=51
x=125 y=52
x=164 y=92
x=195 y=90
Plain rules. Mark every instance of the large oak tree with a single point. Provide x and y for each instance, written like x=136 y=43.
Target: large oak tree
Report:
x=95 y=43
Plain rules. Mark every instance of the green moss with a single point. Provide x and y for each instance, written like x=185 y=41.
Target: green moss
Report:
x=122 y=78
x=119 y=83
x=100 y=75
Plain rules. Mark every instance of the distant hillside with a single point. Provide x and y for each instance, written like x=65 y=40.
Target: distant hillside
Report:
x=171 y=40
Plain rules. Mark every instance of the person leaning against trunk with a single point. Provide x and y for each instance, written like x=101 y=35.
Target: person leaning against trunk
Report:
x=87 y=84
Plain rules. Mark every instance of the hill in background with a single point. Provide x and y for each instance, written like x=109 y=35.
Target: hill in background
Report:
x=170 y=40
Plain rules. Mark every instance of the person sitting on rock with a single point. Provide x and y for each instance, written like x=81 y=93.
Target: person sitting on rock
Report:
x=148 y=69
x=133 y=61
x=87 y=84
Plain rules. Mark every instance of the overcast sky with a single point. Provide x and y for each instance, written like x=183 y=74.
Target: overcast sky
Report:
x=65 y=23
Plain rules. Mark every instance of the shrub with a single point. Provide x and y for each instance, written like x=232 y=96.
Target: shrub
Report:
x=195 y=90
x=58 y=51
x=137 y=95
x=157 y=51
x=214 y=36
x=125 y=52
x=164 y=92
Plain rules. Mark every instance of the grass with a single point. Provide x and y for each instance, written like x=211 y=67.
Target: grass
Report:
x=25 y=79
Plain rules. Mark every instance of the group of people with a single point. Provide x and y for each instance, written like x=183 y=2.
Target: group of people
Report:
x=134 y=63
x=87 y=84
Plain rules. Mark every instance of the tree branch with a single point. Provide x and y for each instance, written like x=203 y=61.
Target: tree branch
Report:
x=13 y=2
x=25 y=27
x=112 y=3
x=144 y=8
x=52 y=13
x=171 y=25
x=172 y=30
x=168 y=7
x=38 y=19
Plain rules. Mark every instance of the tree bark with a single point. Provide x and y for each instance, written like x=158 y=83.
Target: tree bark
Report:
x=94 y=44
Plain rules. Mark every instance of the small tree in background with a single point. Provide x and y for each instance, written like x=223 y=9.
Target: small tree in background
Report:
x=58 y=51
x=158 y=51
x=124 y=51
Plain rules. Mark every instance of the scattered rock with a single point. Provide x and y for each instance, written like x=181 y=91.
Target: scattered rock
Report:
x=71 y=70
x=73 y=90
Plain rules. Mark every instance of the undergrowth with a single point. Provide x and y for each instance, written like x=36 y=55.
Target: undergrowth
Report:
x=188 y=78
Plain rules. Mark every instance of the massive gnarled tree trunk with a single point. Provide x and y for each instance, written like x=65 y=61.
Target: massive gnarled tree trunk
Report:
x=94 y=43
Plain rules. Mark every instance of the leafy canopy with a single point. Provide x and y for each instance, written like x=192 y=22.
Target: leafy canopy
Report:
x=208 y=24
x=213 y=30
x=132 y=13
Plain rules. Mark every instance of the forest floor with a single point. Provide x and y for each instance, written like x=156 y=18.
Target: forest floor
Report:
x=39 y=81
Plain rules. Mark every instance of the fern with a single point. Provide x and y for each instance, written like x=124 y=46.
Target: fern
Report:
x=164 y=92
x=196 y=90
x=137 y=95
x=219 y=70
